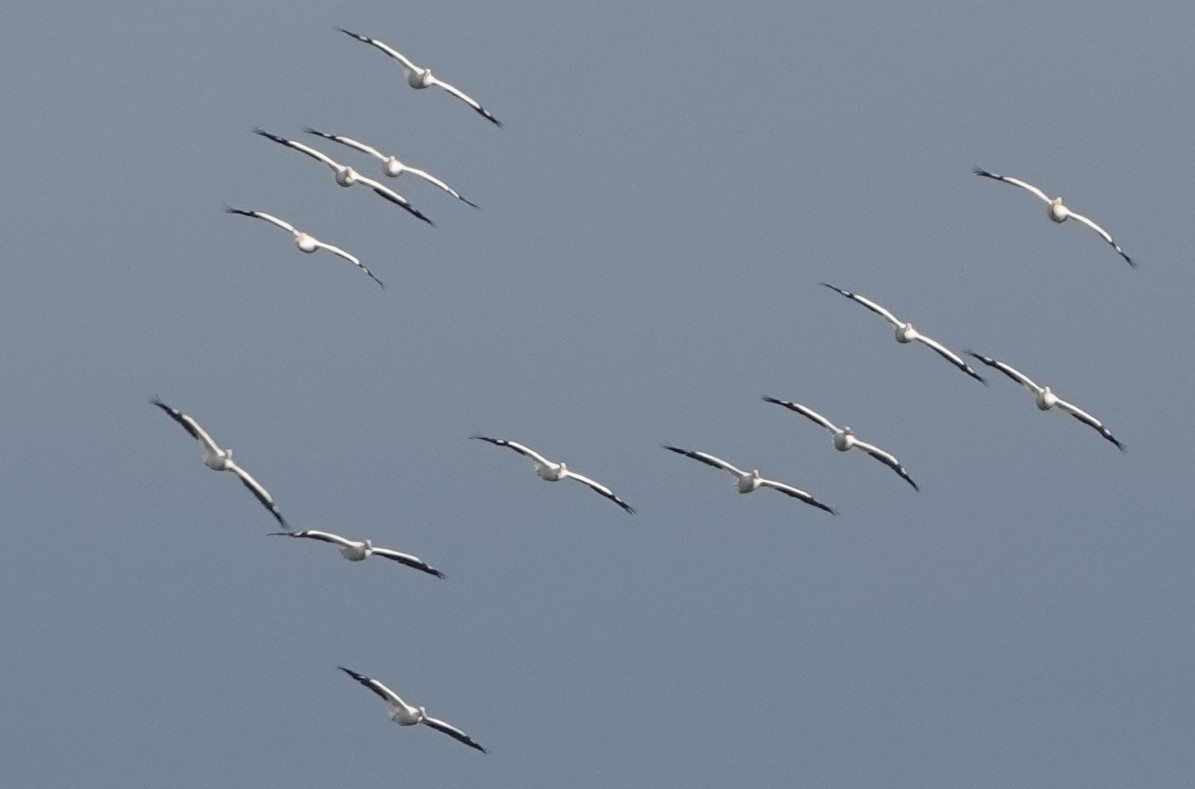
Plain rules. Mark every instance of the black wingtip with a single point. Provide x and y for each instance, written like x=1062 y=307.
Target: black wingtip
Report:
x=467 y=201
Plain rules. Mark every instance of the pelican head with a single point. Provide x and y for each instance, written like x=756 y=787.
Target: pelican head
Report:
x=394 y=167
x=346 y=176
x=369 y=545
x=905 y=332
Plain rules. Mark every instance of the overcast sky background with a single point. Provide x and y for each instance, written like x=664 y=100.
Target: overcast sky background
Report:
x=672 y=183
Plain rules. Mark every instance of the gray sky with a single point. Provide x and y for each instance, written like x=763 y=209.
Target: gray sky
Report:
x=671 y=185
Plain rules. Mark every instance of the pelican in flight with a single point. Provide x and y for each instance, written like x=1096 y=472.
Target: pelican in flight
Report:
x=905 y=332
x=1046 y=399
x=1058 y=212
x=357 y=551
x=844 y=439
x=304 y=241
x=218 y=459
x=420 y=78
x=347 y=176
x=405 y=715
x=748 y=481
x=394 y=168
x=553 y=472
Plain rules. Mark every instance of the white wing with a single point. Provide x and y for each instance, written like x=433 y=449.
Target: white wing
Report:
x=191 y=426
x=467 y=99
x=350 y=258
x=301 y=148
x=1088 y=419
x=273 y=220
x=322 y=536
x=796 y=493
x=526 y=452
x=950 y=356
x=261 y=493
x=868 y=303
x=408 y=560
x=887 y=459
x=1103 y=234
x=707 y=459
x=600 y=488
x=393 y=197
x=433 y=180
x=804 y=411
x=1014 y=181
x=1008 y=370
x=452 y=731
x=377 y=687
x=349 y=141
x=402 y=60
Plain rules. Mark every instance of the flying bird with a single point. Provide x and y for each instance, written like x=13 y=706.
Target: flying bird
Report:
x=1046 y=399
x=420 y=78
x=393 y=167
x=304 y=241
x=405 y=715
x=905 y=332
x=1057 y=211
x=844 y=438
x=553 y=471
x=219 y=459
x=750 y=481
x=347 y=176
x=356 y=550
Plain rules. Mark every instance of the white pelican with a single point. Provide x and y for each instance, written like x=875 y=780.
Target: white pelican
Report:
x=304 y=241
x=219 y=459
x=749 y=481
x=420 y=78
x=553 y=472
x=1058 y=212
x=844 y=439
x=405 y=715
x=906 y=333
x=394 y=168
x=347 y=176
x=1046 y=399
x=356 y=551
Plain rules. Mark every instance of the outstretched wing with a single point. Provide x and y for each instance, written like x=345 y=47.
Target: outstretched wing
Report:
x=349 y=141
x=452 y=731
x=260 y=492
x=335 y=250
x=796 y=493
x=887 y=459
x=707 y=459
x=402 y=60
x=526 y=452
x=393 y=197
x=377 y=687
x=1008 y=370
x=804 y=411
x=313 y=534
x=600 y=488
x=190 y=425
x=1103 y=234
x=950 y=356
x=1091 y=421
x=866 y=302
x=407 y=559
x=460 y=94
x=436 y=181
x=301 y=148
x=273 y=220
x=1014 y=181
